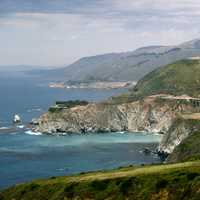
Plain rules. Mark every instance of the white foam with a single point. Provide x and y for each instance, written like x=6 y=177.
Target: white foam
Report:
x=4 y=128
x=20 y=126
x=35 y=110
x=32 y=133
x=62 y=169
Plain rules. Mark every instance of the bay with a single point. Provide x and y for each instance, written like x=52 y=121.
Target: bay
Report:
x=24 y=157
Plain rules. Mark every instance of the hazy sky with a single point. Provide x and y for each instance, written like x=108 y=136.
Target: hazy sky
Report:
x=57 y=32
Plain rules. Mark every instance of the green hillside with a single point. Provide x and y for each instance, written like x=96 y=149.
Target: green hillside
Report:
x=182 y=77
x=187 y=150
x=175 y=181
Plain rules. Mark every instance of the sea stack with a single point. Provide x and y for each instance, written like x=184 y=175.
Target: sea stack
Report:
x=16 y=119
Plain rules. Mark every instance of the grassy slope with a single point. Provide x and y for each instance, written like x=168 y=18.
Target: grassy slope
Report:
x=175 y=181
x=182 y=77
x=187 y=150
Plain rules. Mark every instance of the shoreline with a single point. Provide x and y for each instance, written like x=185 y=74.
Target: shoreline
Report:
x=100 y=85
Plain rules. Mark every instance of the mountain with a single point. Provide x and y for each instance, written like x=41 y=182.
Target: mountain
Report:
x=129 y=66
x=181 y=77
x=193 y=44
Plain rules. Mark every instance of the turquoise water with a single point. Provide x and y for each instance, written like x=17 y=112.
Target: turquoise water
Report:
x=24 y=157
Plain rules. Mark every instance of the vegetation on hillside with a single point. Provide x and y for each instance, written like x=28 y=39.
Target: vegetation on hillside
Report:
x=176 y=181
x=182 y=77
x=187 y=150
x=67 y=104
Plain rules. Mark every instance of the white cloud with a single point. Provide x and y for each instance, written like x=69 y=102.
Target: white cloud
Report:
x=46 y=38
x=169 y=5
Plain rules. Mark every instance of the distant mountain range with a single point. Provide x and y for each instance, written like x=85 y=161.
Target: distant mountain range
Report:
x=129 y=66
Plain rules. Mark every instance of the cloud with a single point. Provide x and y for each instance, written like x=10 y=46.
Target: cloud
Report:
x=52 y=6
x=47 y=32
x=160 y=5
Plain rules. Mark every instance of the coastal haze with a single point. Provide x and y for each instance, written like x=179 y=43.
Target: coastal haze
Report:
x=127 y=67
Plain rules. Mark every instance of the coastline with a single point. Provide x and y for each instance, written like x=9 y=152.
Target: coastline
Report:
x=100 y=85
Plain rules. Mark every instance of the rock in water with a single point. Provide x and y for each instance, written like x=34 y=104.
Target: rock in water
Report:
x=17 y=119
x=147 y=151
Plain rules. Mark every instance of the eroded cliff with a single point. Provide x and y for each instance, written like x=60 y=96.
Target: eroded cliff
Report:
x=182 y=128
x=151 y=114
x=156 y=104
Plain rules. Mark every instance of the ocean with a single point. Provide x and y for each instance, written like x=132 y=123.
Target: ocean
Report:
x=25 y=156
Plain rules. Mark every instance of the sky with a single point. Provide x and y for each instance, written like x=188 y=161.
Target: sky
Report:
x=58 y=32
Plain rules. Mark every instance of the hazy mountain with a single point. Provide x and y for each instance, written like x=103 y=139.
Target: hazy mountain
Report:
x=129 y=66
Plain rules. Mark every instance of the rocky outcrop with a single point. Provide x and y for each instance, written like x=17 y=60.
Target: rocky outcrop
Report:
x=178 y=132
x=187 y=150
x=150 y=115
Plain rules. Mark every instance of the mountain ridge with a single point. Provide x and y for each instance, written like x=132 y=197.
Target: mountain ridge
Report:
x=125 y=66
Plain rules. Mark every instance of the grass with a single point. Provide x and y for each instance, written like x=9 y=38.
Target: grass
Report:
x=172 y=181
x=60 y=105
x=181 y=77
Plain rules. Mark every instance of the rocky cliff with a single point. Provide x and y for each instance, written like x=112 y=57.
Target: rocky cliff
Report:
x=182 y=128
x=146 y=115
x=163 y=114
x=153 y=105
x=178 y=132
x=188 y=149
x=152 y=114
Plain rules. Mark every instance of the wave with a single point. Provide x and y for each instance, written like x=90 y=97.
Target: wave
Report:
x=4 y=128
x=29 y=132
x=34 y=110
x=20 y=126
x=122 y=132
x=62 y=169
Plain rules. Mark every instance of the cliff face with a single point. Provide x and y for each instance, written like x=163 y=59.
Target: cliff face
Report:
x=138 y=110
x=178 y=132
x=144 y=115
x=149 y=114
x=187 y=150
x=152 y=114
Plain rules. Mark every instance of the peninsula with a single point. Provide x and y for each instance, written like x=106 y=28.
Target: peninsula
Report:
x=158 y=104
